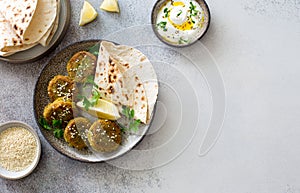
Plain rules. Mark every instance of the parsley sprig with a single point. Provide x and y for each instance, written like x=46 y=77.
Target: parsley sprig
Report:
x=56 y=127
x=92 y=101
x=133 y=125
x=94 y=49
x=162 y=25
x=87 y=103
x=90 y=80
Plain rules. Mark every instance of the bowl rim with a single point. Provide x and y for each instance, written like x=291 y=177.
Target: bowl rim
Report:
x=178 y=45
x=12 y=175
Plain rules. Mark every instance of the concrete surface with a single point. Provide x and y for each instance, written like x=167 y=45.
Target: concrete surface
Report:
x=256 y=45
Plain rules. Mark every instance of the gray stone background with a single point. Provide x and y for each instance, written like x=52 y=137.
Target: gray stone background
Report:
x=256 y=44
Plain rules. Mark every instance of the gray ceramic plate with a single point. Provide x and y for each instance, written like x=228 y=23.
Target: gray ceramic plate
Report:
x=57 y=65
x=204 y=29
x=39 y=51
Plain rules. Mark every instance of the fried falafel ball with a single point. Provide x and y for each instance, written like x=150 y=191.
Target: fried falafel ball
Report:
x=104 y=136
x=59 y=110
x=81 y=65
x=61 y=87
x=72 y=132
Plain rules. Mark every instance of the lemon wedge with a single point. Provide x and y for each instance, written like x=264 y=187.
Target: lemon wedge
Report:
x=103 y=109
x=110 y=5
x=88 y=14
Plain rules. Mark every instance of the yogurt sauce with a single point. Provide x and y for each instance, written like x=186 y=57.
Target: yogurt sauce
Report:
x=180 y=22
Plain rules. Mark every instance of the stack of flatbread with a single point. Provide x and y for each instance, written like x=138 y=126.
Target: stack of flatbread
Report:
x=27 y=23
x=126 y=77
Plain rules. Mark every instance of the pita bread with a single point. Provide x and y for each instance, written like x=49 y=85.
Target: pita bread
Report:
x=42 y=21
x=133 y=59
x=50 y=33
x=121 y=88
x=10 y=41
x=7 y=35
x=120 y=80
x=19 y=13
x=15 y=49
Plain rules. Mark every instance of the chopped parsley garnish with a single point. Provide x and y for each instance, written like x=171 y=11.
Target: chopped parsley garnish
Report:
x=133 y=125
x=182 y=41
x=162 y=25
x=166 y=11
x=193 y=10
x=178 y=14
x=56 y=126
x=90 y=80
x=94 y=49
x=87 y=103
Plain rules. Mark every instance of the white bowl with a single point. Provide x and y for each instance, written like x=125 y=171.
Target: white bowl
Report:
x=23 y=173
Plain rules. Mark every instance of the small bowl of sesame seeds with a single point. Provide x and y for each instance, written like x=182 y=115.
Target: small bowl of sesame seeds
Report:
x=20 y=150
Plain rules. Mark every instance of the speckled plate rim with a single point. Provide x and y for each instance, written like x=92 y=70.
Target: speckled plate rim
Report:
x=42 y=130
x=38 y=52
x=22 y=174
x=153 y=23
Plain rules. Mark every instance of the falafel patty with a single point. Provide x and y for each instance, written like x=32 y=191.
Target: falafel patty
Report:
x=59 y=110
x=72 y=132
x=81 y=65
x=104 y=136
x=61 y=86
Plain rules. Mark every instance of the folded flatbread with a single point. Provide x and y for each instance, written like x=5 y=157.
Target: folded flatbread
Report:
x=33 y=21
x=126 y=77
x=19 y=13
x=9 y=40
x=50 y=33
x=43 y=19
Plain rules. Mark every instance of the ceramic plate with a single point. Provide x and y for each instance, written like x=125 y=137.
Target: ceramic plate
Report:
x=12 y=175
x=39 y=51
x=57 y=65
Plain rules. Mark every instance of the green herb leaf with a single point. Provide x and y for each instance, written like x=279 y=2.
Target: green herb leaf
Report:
x=57 y=123
x=86 y=103
x=94 y=49
x=178 y=14
x=95 y=97
x=131 y=114
x=162 y=25
x=43 y=122
x=133 y=125
x=58 y=133
x=182 y=41
x=90 y=80
x=166 y=11
x=93 y=100
x=56 y=127
x=126 y=112
x=193 y=11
